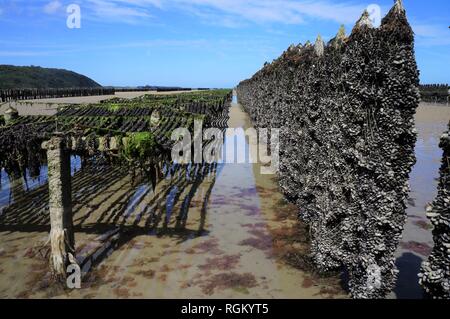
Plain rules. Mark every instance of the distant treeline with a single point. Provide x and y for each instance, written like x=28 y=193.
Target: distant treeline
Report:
x=437 y=93
x=25 y=77
x=33 y=94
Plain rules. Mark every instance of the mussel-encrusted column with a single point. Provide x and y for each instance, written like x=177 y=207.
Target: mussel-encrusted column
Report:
x=380 y=160
x=60 y=205
x=346 y=113
x=435 y=273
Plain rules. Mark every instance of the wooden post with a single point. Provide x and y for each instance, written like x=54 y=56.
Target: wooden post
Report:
x=11 y=114
x=60 y=204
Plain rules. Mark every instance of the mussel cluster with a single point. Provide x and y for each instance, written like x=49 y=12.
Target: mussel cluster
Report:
x=435 y=272
x=346 y=113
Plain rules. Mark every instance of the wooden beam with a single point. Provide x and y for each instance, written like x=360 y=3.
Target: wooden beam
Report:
x=104 y=144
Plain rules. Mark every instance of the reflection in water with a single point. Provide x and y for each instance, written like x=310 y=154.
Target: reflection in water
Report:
x=424 y=175
x=417 y=237
x=409 y=265
x=107 y=201
x=205 y=230
x=235 y=99
x=12 y=189
x=135 y=199
x=4 y=190
x=170 y=203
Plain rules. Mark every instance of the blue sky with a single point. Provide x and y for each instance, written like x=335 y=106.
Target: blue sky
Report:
x=195 y=43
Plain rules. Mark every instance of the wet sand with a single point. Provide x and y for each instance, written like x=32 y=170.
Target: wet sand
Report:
x=228 y=234
x=417 y=242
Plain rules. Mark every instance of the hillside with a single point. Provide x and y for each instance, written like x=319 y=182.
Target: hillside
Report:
x=21 y=77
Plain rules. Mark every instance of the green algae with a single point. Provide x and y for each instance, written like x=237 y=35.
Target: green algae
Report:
x=139 y=146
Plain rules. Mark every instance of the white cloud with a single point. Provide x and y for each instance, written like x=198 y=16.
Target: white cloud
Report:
x=21 y=53
x=220 y=47
x=52 y=7
x=426 y=30
x=232 y=13
x=431 y=35
x=277 y=11
x=128 y=11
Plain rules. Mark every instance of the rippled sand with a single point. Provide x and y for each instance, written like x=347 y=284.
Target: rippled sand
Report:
x=225 y=234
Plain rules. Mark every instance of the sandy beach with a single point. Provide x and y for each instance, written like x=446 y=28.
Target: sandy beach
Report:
x=226 y=234
x=229 y=235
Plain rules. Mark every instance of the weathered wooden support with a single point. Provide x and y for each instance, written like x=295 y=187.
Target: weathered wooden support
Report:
x=351 y=189
x=103 y=144
x=60 y=204
x=11 y=114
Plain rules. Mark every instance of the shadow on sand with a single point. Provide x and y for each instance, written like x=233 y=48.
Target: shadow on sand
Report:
x=108 y=204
